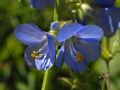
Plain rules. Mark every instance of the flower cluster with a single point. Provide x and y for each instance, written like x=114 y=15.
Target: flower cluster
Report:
x=79 y=44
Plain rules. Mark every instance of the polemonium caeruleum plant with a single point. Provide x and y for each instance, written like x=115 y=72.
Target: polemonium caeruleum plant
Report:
x=41 y=4
x=81 y=44
x=40 y=52
x=108 y=19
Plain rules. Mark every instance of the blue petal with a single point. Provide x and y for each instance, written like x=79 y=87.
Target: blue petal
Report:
x=108 y=19
x=60 y=57
x=52 y=47
x=106 y=3
x=68 y=31
x=41 y=4
x=90 y=50
x=44 y=63
x=74 y=65
x=91 y=32
x=29 y=33
x=49 y=57
x=33 y=47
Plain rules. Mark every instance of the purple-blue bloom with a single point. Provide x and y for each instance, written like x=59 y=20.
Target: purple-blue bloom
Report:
x=41 y=4
x=40 y=52
x=81 y=45
x=108 y=19
x=106 y=16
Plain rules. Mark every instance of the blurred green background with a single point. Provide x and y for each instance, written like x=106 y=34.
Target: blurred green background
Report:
x=15 y=74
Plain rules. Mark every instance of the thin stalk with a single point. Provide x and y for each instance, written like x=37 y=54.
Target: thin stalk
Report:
x=119 y=38
x=48 y=73
x=56 y=10
x=45 y=80
x=106 y=76
x=48 y=76
x=107 y=65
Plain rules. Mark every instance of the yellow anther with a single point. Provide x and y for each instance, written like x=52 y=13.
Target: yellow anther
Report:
x=34 y=52
x=33 y=55
x=37 y=57
x=40 y=50
x=40 y=55
x=79 y=56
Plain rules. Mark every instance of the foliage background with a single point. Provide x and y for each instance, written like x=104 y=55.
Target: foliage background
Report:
x=15 y=74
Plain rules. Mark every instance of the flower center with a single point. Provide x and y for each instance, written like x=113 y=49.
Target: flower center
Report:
x=37 y=54
x=79 y=56
x=76 y=55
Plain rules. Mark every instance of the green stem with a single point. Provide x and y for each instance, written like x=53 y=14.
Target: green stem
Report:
x=106 y=82
x=104 y=85
x=46 y=77
x=106 y=43
x=48 y=73
x=108 y=78
x=56 y=10
x=107 y=65
x=119 y=38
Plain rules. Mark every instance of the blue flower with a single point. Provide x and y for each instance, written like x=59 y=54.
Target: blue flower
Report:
x=106 y=16
x=41 y=4
x=108 y=19
x=81 y=45
x=40 y=53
